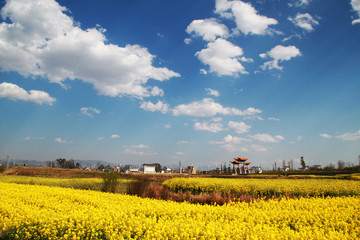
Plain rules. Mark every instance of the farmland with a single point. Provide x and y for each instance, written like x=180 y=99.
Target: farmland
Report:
x=259 y=188
x=51 y=208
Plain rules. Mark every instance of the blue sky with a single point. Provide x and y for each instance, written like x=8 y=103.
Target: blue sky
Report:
x=200 y=82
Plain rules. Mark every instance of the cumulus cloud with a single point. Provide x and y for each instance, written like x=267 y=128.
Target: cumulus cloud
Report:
x=222 y=57
x=208 y=29
x=279 y=54
x=157 y=92
x=208 y=108
x=267 y=138
x=210 y=127
x=89 y=111
x=247 y=19
x=355 y=4
x=14 y=92
x=114 y=136
x=239 y=127
x=39 y=39
x=304 y=21
x=158 y=107
x=212 y=92
x=325 y=135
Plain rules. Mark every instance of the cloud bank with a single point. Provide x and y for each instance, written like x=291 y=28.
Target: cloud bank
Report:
x=40 y=40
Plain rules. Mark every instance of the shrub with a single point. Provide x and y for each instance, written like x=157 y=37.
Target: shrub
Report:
x=111 y=181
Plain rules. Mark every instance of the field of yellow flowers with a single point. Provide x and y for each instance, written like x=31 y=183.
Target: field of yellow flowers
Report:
x=43 y=212
x=259 y=188
x=77 y=183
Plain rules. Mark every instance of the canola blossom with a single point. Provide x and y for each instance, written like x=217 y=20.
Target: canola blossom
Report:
x=267 y=187
x=42 y=212
x=77 y=183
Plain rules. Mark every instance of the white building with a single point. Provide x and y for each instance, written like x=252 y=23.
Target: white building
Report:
x=150 y=168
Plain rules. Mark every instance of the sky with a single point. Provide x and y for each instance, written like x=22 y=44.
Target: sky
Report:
x=201 y=82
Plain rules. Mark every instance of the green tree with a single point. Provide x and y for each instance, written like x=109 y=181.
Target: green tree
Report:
x=302 y=162
x=61 y=162
x=340 y=165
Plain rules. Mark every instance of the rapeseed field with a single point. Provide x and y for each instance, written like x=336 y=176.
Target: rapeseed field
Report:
x=43 y=212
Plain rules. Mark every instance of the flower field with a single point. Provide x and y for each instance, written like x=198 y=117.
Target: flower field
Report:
x=77 y=183
x=42 y=212
x=259 y=188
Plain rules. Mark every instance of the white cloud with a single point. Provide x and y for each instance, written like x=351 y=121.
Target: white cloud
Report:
x=140 y=146
x=157 y=92
x=244 y=148
x=223 y=58
x=239 y=127
x=59 y=140
x=273 y=119
x=235 y=140
x=100 y=138
x=59 y=49
x=299 y=3
x=304 y=21
x=208 y=108
x=14 y=92
x=355 y=4
x=278 y=54
x=114 y=136
x=140 y=153
x=89 y=111
x=212 y=92
x=167 y=126
x=246 y=17
x=266 y=138
x=325 y=135
x=187 y=40
x=239 y=144
x=203 y=71
x=184 y=142
x=28 y=138
x=349 y=136
x=208 y=29
x=210 y=127
x=217 y=119
x=158 y=107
